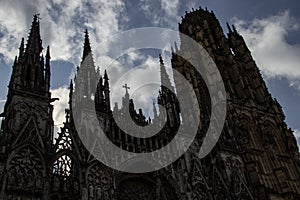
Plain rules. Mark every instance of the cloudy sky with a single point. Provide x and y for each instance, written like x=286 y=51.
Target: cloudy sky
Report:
x=270 y=28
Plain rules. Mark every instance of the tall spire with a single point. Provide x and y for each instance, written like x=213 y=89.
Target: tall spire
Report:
x=34 y=42
x=229 y=28
x=164 y=77
x=21 y=49
x=30 y=72
x=71 y=94
x=106 y=91
x=106 y=84
x=87 y=77
x=234 y=29
x=47 y=70
x=33 y=70
x=87 y=46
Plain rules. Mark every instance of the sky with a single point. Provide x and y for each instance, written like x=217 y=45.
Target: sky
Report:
x=271 y=30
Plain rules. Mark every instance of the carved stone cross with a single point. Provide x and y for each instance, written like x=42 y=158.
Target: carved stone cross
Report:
x=126 y=88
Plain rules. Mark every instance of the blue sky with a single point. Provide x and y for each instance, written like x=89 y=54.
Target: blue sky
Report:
x=271 y=29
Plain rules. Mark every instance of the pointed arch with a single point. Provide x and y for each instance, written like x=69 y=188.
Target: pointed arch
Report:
x=38 y=154
x=65 y=175
x=244 y=131
x=273 y=140
x=219 y=186
x=19 y=113
x=147 y=186
x=66 y=140
x=98 y=181
x=135 y=187
x=30 y=134
x=200 y=187
x=26 y=171
x=40 y=112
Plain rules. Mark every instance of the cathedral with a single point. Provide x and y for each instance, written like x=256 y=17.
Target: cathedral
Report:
x=256 y=156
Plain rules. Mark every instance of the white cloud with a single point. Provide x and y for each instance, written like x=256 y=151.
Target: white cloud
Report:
x=12 y=25
x=297 y=135
x=267 y=40
x=166 y=14
x=62 y=24
x=59 y=106
x=170 y=7
x=2 y=102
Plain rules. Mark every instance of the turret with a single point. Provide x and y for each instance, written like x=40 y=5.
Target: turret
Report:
x=164 y=77
x=21 y=49
x=87 y=50
x=47 y=70
x=28 y=110
x=87 y=78
x=167 y=97
x=106 y=91
x=28 y=70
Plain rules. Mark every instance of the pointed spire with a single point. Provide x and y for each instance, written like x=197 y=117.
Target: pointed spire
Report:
x=87 y=46
x=47 y=70
x=234 y=29
x=106 y=91
x=165 y=80
x=126 y=90
x=48 y=53
x=101 y=81
x=34 y=42
x=105 y=77
x=229 y=28
x=40 y=73
x=176 y=47
x=172 y=50
x=71 y=86
x=12 y=82
x=71 y=94
x=99 y=93
x=98 y=71
x=16 y=60
x=21 y=49
x=154 y=110
x=87 y=73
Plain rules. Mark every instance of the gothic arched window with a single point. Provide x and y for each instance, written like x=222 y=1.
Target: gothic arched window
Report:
x=99 y=182
x=26 y=171
x=62 y=166
x=65 y=178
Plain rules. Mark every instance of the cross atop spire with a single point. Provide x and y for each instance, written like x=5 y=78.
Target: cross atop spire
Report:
x=126 y=88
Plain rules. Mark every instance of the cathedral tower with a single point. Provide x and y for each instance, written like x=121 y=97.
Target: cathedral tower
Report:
x=27 y=126
x=257 y=155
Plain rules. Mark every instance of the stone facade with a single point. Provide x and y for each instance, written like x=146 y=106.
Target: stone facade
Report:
x=256 y=156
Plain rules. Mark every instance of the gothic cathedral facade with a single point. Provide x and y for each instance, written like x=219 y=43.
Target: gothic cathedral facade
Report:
x=256 y=157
